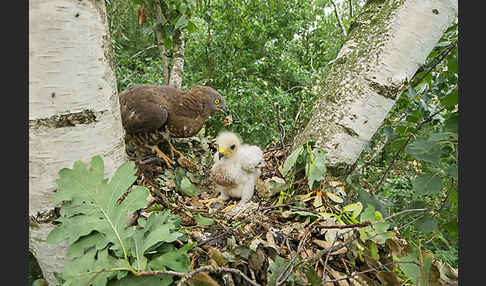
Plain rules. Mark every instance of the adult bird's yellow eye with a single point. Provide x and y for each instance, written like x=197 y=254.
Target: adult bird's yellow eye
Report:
x=216 y=101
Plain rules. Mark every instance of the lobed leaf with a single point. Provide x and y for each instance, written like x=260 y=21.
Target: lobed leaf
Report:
x=174 y=259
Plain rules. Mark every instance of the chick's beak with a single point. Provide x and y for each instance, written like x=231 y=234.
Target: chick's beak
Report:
x=222 y=152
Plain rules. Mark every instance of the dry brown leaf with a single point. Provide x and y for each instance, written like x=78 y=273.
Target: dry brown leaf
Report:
x=150 y=198
x=361 y=280
x=170 y=184
x=271 y=241
x=141 y=16
x=205 y=279
x=334 y=197
x=325 y=245
x=337 y=275
x=280 y=170
x=393 y=244
x=388 y=278
x=216 y=256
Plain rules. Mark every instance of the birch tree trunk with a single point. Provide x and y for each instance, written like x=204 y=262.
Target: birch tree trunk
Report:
x=386 y=45
x=177 y=60
x=73 y=108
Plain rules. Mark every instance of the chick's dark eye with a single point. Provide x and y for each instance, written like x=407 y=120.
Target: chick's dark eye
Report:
x=232 y=147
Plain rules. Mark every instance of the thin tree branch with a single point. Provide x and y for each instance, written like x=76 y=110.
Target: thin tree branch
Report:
x=355 y=274
x=282 y=129
x=324 y=279
x=142 y=51
x=339 y=19
x=440 y=57
x=298 y=113
x=350 y=9
x=288 y=269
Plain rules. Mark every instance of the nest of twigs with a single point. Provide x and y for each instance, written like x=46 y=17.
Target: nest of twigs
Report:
x=266 y=243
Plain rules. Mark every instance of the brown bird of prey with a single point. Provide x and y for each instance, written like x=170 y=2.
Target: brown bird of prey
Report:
x=151 y=114
x=236 y=167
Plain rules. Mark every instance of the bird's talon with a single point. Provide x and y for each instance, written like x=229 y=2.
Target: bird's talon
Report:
x=228 y=208
x=168 y=161
x=212 y=201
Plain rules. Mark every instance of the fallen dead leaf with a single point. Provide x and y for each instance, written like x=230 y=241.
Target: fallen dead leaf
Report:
x=325 y=245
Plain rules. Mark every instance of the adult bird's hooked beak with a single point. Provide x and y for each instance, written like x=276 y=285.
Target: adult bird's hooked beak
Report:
x=225 y=109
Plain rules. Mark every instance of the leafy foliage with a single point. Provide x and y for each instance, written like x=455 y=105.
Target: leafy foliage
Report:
x=257 y=53
x=310 y=159
x=426 y=174
x=378 y=233
x=273 y=56
x=102 y=248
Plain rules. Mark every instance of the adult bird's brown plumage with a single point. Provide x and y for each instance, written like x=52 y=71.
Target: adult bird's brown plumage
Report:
x=152 y=113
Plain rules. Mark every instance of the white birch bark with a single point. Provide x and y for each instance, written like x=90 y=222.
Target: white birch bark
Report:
x=177 y=70
x=390 y=40
x=70 y=76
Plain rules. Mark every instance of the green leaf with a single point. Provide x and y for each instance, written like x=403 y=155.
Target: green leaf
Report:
x=181 y=23
x=275 y=268
x=416 y=205
x=291 y=160
x=202 y=220
x=424 y=149
x=159 y=227
x=427 y=224
x=427 y=184
x=450 y=100
x=132 y=280
x=442 y=136
x=452 y=62
x=191 y=27
x=411 y=93
x=417 y=274
x=411 y=270
x=90 y=266
x=356 y=208
x=378 y=233
x=306 y=214
x=367 y=200
x=81 y=245
x=93 y=217
x=317 y=169
x=174 y=259
x=188 y=188
x=451 y=124
x=453 y=171
x=312 y=277
x=335 y=198
x=100 y=210
x=374 y=251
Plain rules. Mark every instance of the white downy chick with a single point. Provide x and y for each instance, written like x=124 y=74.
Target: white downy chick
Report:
x=236 y=167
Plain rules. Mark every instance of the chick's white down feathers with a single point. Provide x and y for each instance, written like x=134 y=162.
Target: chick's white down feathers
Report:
x=236 y=167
